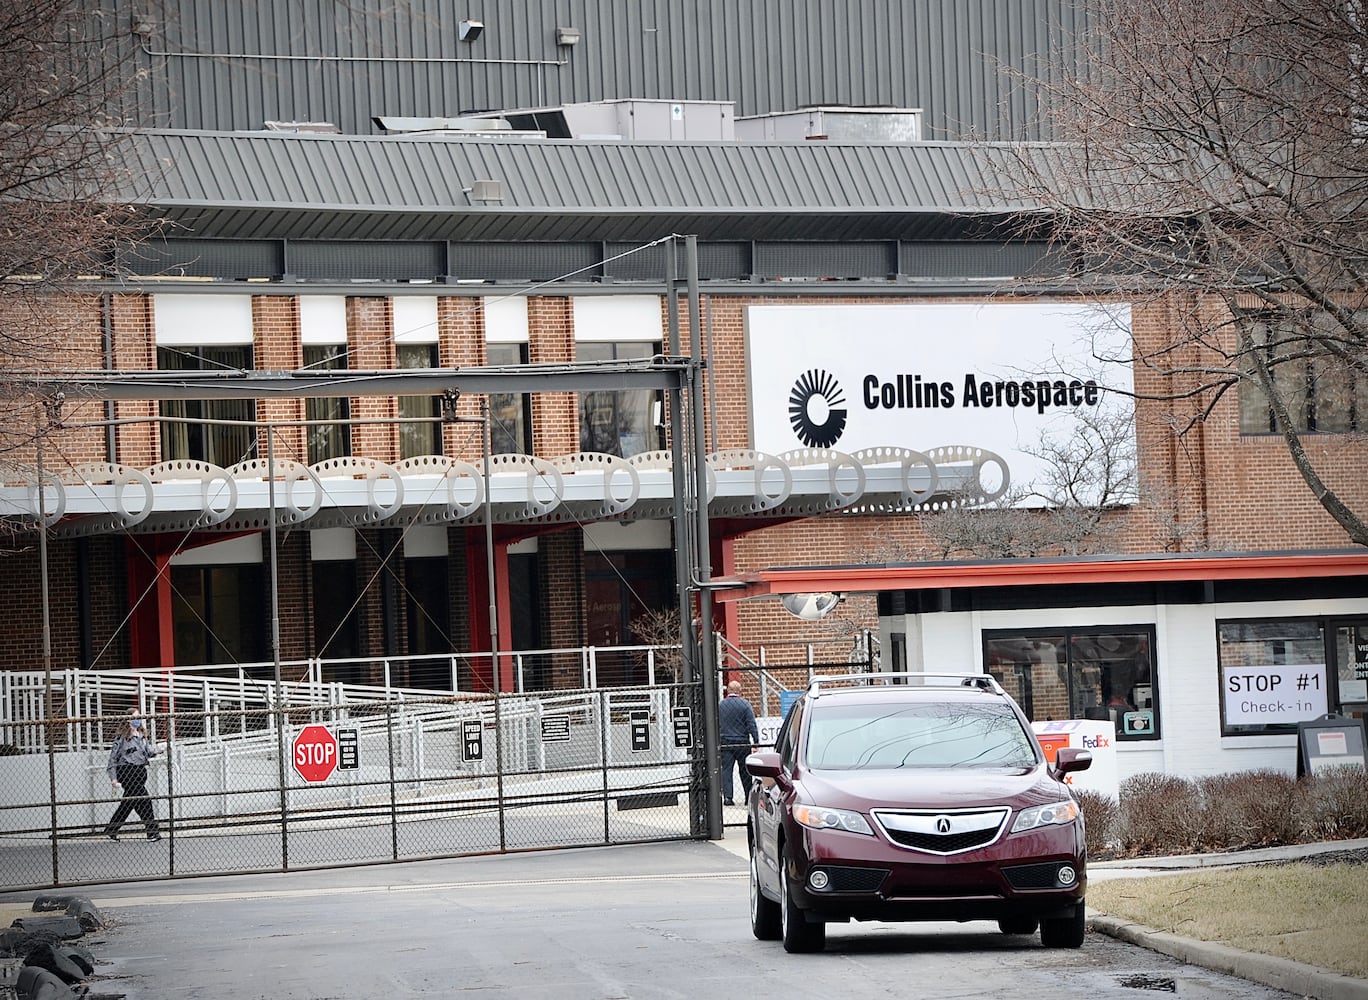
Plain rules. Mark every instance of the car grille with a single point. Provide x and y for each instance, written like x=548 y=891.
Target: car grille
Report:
x=942 y=832
x=1033 y=876
x=844 y=879
x=943 y=845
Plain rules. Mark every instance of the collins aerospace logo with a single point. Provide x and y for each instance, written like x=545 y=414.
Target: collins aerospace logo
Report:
x=817 y=409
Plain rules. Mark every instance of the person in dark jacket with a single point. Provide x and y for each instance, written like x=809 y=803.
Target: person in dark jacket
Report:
x=739 y=737
x=127 y=769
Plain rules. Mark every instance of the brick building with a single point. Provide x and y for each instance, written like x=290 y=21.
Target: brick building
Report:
x=875 y=345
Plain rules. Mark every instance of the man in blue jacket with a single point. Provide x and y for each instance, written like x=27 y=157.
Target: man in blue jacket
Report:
x=739 y=737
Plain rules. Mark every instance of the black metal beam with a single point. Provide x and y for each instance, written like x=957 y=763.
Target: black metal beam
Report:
x=660 y=373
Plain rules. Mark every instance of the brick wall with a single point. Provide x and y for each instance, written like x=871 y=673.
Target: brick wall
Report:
x=372 y=349
x=276 y=348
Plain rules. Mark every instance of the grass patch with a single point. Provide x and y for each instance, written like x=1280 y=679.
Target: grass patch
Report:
x=1314 y=914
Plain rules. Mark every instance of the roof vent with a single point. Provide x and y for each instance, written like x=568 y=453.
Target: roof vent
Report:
x=395 y=123
x=327 y=128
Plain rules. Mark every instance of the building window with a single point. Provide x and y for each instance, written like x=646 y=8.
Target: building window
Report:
x=621 y=423
x=216 y=615
x=1092 y=673
x=1273 y=674
x=1320 y=392
x=510 y=413
x=188 y=431
x=332 y=439
x=423 y=437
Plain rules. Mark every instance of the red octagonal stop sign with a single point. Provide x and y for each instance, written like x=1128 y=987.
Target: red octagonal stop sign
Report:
x=315 y=753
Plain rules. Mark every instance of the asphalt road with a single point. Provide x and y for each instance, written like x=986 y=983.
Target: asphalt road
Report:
x=643 y=921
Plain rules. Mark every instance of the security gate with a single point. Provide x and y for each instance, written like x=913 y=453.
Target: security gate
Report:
x=401 y=779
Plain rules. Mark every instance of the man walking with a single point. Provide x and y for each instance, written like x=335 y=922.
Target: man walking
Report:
x=739 y=737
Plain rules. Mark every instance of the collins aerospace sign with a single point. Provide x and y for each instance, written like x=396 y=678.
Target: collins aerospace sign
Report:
x=1004 y=377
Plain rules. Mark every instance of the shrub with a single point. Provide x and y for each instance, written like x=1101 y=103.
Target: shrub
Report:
x=1164 y=814
x=1252 y=809
x=1099 y=820
x=1159 y=814
x=1337 y=804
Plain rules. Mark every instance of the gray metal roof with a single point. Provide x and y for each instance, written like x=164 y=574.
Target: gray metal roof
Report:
x=254 y=185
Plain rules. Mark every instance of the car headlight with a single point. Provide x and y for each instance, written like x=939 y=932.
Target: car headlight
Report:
x=1050 y=814
x=818 y=818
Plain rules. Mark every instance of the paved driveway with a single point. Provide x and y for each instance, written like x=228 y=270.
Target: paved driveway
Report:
x=643 y=921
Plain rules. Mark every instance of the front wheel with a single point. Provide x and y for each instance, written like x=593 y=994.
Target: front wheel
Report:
x=799 y=935
x=764 y=912
x=1064 y=932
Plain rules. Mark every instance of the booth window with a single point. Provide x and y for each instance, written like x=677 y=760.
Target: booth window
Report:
x=1080 y=673
x=1275 y=673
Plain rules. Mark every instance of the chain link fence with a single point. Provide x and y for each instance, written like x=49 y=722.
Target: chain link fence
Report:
x=403 y=779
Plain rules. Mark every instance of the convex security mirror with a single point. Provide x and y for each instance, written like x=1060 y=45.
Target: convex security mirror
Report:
x=810 y=607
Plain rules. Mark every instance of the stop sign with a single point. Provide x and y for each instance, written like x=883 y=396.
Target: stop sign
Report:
x=315 y=753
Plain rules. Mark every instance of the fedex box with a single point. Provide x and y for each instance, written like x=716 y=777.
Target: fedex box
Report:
x=1096 y=735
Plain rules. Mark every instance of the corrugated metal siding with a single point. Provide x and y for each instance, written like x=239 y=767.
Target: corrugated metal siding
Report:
x=233 y=66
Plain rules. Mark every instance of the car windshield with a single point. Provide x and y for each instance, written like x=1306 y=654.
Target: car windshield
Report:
x=956 y=734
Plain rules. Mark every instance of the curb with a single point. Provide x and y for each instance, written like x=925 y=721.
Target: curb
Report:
x=1223 y=859
x=1279 y=973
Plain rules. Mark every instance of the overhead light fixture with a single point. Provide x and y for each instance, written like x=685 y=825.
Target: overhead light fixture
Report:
x=471 y=30
x=810 y=607
x=485 y=190
x=566 y=37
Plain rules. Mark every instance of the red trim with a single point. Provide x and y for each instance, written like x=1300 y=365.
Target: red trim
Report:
x=727 y=619
x=504 y=604
x=152 y=638
x=1027 y=573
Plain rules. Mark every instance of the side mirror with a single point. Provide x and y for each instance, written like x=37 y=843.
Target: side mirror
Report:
x=1068 y=759
x=763 y=764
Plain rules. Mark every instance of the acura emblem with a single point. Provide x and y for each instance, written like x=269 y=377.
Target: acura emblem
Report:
x=942 y=824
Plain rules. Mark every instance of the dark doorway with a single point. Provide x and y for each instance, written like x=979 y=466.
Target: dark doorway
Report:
x=619 y=586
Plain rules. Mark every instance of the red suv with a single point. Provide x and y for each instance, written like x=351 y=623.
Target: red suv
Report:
x=913 y=797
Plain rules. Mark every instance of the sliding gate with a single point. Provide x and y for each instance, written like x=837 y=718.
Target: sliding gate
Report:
x=400 y=779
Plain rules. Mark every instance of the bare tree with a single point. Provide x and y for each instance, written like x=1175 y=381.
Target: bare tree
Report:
x=60 y=221
x=1088 y=494
x=659 y=627
x=61 y=215
x=1216 y=158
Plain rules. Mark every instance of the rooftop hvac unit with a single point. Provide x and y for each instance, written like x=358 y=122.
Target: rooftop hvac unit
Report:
x=833 y=124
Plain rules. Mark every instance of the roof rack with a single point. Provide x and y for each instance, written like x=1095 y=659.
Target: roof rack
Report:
x=982 y=682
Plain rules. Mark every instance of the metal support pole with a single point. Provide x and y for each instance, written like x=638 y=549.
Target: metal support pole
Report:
x=47 y=650
x=703 y=546
x=489 y=549
x=679 y=456
x=685 y=560
x=275 y=652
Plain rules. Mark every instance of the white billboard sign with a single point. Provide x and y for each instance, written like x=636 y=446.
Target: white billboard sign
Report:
x=1003 y=377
